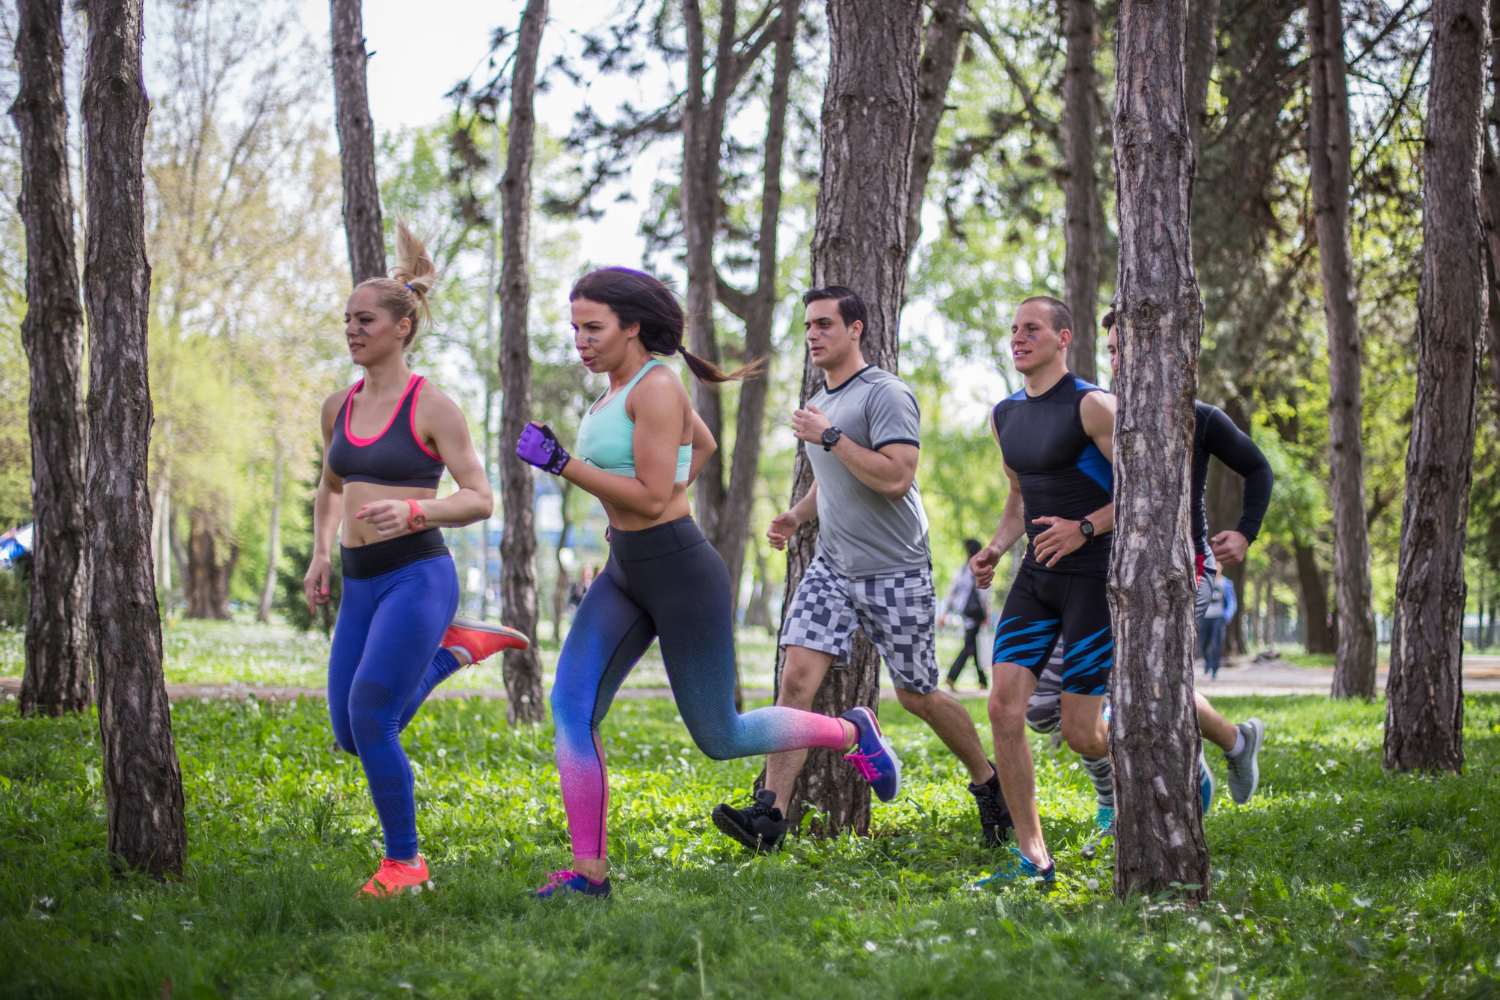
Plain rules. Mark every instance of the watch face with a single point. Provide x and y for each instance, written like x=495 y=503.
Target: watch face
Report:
x=831 y=436
x=1087 y=527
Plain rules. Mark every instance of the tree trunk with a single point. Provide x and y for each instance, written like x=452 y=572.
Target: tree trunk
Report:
x=1317 y=635
x=1081 y=186
x=941 y=42
x=1202 y=50
x=1328 y=155
x=869 y=130
x=206 y=583
x=142 y=783
x=351 y=101
x=1154 y=730
x=1490 y=204
x=56 y=678
x=273 y=543
x=560 y=589
x=758 y=311
x=1424 y=692
x=703 y=118
x=523 y=668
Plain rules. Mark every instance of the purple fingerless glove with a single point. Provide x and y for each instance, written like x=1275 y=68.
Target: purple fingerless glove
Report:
x=538 y=446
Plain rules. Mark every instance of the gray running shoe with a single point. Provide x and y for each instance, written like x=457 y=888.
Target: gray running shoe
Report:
x=1244 y=770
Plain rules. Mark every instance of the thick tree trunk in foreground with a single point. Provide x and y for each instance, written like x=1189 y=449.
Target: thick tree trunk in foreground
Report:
x=523 y=668
x=1424 y=693
x=1328 y=157
x=57 y=678
x=351 y=100
x=869 y=128
x=1081 y=187
x=142 y=784
x=1154 y=732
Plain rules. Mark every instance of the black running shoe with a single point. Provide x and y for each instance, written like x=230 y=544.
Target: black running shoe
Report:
x=759 y=827
x=994 y=817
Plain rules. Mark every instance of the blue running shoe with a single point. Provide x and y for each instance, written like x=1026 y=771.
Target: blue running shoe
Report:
x=1104 y=829
x=1205 y=783
x=1021 y=869
x=872 y=756
x=569 y=882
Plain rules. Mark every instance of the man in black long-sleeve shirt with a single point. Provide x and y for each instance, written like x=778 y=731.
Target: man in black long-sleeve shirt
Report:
x=1216 y=436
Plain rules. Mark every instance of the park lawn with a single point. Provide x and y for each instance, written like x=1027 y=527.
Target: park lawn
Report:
x=1336 y=879
x=243 y=651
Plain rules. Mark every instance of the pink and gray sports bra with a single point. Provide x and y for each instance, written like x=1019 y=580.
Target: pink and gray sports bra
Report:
x=394 y=457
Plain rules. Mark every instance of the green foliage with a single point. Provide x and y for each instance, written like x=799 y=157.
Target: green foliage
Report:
x=1338 y=878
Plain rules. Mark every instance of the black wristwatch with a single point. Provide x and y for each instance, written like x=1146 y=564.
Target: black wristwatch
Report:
x=1087 y=527
x=831 y=437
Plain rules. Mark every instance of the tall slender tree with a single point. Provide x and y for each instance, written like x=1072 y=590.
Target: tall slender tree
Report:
x=523 y=669
x=1328 y=155
x=57 y=676
x=1424 y=693
x=351 y=101
x=1154 y=732
x=941 y=42
x=142 y=783
x=869 y=130
x=1085 y=222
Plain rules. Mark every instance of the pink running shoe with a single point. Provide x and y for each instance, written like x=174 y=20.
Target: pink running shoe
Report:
x=393 y=878
x=471 y=640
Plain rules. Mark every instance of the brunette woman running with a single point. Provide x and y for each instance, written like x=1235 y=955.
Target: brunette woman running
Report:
x=639 y=447
x=386 y=441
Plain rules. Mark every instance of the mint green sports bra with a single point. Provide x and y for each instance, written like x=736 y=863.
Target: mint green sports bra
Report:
x=606 y=437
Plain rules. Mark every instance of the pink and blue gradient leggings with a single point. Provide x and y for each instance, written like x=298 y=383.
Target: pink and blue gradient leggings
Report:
x=664 y=582
x=385 y=661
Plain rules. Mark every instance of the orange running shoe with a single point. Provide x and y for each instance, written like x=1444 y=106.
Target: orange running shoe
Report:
x=471 y=640
x=393 y=878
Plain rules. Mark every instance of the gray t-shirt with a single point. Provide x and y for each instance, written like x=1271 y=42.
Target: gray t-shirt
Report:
x=861 y=533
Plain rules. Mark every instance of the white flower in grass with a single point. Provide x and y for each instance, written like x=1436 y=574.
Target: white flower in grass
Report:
x=871 y=947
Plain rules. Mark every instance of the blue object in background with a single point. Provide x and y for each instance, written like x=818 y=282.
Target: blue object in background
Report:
x=15 y=545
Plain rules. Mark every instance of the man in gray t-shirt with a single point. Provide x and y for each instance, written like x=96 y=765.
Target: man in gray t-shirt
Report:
x=872 y=570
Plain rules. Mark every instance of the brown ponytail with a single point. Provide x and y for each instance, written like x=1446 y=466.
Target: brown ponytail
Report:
x=640 y=299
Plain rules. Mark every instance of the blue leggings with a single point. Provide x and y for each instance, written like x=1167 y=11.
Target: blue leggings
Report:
x=385 y=661
x=664 y=582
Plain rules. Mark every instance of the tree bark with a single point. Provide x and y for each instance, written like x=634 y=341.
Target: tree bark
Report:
x=1328 y=156
x=523 y=668
x=273 y=543
x=351 y=100
x=1424 y=692
x=206 y=583
x=1154 y=731
x=1081 y=186
x=759 y=315
x=869 y=130
x=57 y=676
x=1317 y=635
x=1202 y=49
x=941 y=42
x=142 y=783
x=703 y=116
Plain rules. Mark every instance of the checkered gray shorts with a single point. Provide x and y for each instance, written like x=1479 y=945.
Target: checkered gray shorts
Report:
x=897 y=613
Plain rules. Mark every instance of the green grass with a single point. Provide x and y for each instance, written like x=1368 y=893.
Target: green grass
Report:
x=245 y=652
x=1337 y=879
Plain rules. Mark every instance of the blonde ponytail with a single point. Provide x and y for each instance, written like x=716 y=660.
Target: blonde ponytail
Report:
x=406 y=292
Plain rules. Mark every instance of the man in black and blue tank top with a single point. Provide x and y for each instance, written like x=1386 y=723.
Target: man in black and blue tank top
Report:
x=1056 y=439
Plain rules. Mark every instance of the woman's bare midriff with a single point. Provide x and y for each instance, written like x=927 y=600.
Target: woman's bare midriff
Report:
x=625 y=520
x=354 y=532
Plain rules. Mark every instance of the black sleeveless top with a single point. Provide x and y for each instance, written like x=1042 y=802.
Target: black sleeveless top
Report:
x=394 y=457
x=1062 y=472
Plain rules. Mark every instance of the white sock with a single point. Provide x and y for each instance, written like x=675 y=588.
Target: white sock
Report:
x=1239 y=743
x=461 y=655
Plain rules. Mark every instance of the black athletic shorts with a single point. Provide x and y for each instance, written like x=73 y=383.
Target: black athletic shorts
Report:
x=1044 y=606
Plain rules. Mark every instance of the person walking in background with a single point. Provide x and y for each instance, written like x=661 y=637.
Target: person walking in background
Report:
x=1215 y=618
x=967 y=602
